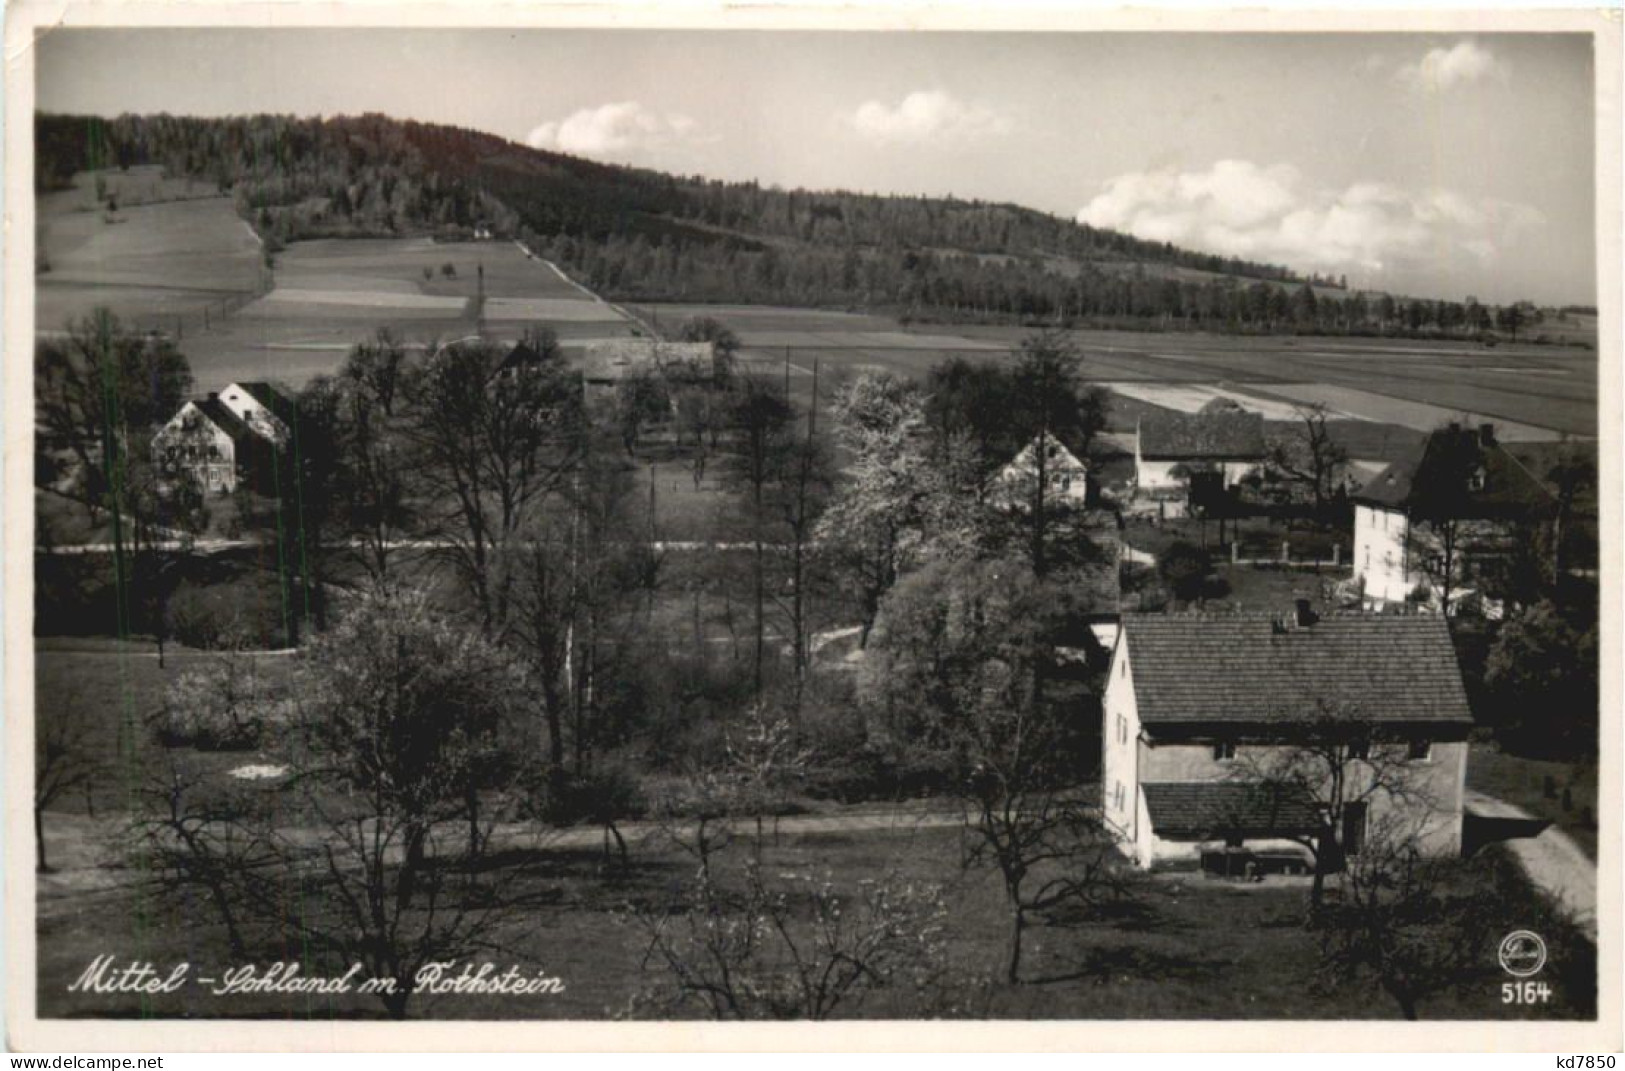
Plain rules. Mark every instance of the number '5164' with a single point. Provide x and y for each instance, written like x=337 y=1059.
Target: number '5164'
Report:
x=1525 y=992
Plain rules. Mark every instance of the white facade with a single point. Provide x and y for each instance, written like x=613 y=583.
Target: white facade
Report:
x=193 y=442
x=1382 y=554
x=1130 y=760
x=1159 y=475
x=1066 y=478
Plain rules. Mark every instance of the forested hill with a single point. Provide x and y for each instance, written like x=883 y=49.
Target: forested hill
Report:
x=642 y=235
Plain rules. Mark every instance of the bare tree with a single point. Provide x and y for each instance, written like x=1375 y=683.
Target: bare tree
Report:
x=65 y=760
x=402 y=722
x=1412 y=925
x=1310 y=458
x=492 y=448
x=960 y=669
x=1336 y=759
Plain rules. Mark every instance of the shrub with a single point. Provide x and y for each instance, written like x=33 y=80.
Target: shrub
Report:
x=222 y=707
x=449 y=270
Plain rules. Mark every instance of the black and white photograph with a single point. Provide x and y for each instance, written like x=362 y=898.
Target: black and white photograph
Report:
x=747 y=523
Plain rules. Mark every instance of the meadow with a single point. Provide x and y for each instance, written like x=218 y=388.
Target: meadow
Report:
x=169 y=250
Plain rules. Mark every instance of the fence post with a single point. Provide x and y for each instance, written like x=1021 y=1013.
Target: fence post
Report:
x=1235 y=551
x=1286 y=556
x=1337 y=555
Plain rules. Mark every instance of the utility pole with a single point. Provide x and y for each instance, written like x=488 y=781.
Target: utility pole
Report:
x=812 y=408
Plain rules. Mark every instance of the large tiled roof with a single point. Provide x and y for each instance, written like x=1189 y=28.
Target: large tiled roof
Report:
x=223 y=418
x=1212 y=808
x=1248 y=668
x=271 y=396
x=1231 y=434
x=1509 y=485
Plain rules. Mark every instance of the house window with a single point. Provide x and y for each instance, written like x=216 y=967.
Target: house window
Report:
x=1475 y=482
x=1224 y=751
x=1419 y=750
x=1117 y=796
x=1122 y=729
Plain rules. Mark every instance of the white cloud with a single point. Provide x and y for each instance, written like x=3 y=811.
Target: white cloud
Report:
x=1445 y=68
x=927 y=115
x=613 y=130
x=1238 y=208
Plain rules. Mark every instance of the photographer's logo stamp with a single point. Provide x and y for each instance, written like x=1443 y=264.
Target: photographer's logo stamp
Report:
x=1522 y=953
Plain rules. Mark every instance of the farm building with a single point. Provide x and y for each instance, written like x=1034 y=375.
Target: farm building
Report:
x=1066 y=479
x=227 y=437
x=605 y=363
x=1175 y=452
x=1456 y=503
x=1209 y=719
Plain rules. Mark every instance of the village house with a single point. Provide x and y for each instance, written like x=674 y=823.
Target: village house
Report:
x=1066 y=479
x=1182 y=456
x=1205 y=713
x=229 y=436
x=1457 y=500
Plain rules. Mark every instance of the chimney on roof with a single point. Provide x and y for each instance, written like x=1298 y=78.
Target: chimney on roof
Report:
x=1304 y=617
x=1486 y=435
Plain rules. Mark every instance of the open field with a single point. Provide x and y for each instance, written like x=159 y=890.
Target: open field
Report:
x=1533 y=392
x=333 y=293
x=170 y=253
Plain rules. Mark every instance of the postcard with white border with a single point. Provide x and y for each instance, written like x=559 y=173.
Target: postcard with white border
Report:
x=545 y=526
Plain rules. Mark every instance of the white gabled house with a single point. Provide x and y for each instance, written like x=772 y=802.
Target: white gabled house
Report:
x=1066 y=478
x=227 y=437
x=1460 y=477
x=1197 y=704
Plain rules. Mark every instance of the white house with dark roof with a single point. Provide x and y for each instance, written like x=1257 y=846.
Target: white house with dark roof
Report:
x=228 y=436
x=1461 y=476
x=1197 y=704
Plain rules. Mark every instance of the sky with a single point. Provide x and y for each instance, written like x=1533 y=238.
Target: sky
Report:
x=1425 y=164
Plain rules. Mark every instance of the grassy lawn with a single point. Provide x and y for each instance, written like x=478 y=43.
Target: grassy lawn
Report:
x=1183 y=948
x=1524 y=782
x=117 y=687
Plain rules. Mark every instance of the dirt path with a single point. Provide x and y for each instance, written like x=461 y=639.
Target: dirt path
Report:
x=1550 y=859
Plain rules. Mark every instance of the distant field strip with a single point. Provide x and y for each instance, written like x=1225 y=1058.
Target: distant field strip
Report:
x=899 y=340
x=1365 y=405
x=571 y=309
x=1190 y=397
x=364 y=299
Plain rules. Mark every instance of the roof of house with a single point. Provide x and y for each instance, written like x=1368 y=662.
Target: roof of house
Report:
x=270 y=395
x=1509 y=487
x=521 y=355
x=607 y=360
x=224 y=419
x=1250 y=669
x=1061 y=459
x=1208 y=808
x=1227 y=434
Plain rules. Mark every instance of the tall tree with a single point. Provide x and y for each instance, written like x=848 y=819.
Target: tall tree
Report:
x=957 y=670
x=492 y=448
